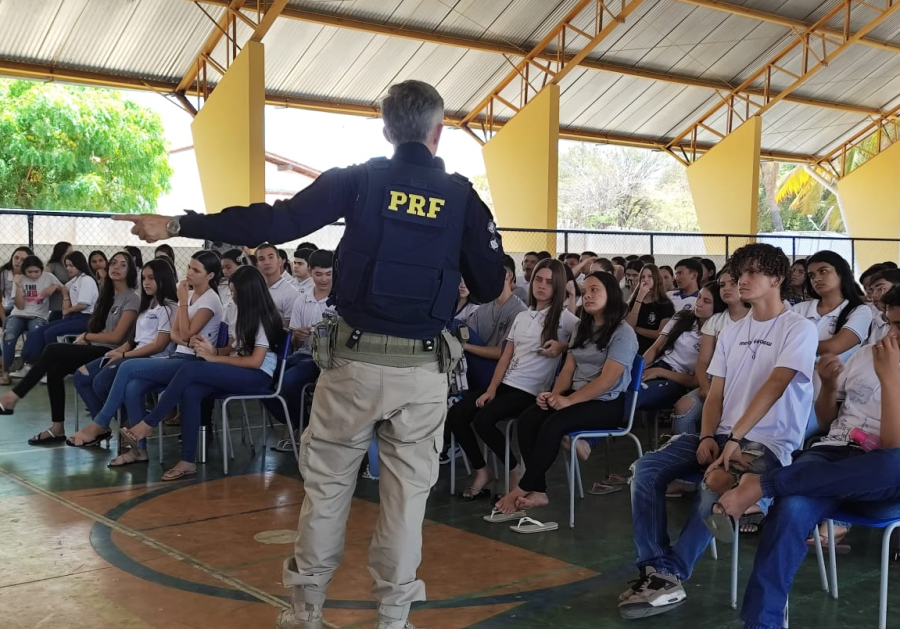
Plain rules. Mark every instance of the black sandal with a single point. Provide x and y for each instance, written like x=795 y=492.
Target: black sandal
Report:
x=472 y=494
x=39 y=439
x=134 y=461
x=93 y=443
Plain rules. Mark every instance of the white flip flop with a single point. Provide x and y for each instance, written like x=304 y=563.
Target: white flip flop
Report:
x=496 y=516
x=530 y=525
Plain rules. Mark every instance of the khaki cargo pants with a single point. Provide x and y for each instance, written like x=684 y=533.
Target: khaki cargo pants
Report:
x=405 y=407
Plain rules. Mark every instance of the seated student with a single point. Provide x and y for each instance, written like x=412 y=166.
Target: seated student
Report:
x=302 y=281
x=688 y=273
x=686 y=415
x=57 y=266
x=649 y=308
x=466 y=304
x=668 y=277
x=7 y=274
x=753 y=419
x=300 y=369
x=527 y=366
x=587 y=393
x=98 y=262
x=866 y=279
x=231 y=261
x=165 y=250
x=246 y=367
x=882 y=282
x=859 y=404
x=152 y=338
x=573 y=292
x=795 y=291
x=284 y=293
x=488 y=327
x=672 y=359
x=632 y=278
x=31 y=297
x=709 y=270
x=110 y=324
x=836 y=309
x=137 y=254
x=287 y=268
x=199 y=313
x=529 y=261
x=79 y=296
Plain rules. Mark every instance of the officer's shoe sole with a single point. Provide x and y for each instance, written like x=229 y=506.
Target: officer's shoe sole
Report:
x=646 y=610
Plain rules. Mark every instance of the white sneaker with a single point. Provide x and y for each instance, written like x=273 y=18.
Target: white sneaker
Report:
x=44 y=380
x=395 y=624
x=308 y=618
x=21 y=373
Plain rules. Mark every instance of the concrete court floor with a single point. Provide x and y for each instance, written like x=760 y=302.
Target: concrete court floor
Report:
x=86 y=547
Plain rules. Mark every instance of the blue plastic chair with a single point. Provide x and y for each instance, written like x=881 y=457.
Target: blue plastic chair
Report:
x=574 y=469
x=888 y=527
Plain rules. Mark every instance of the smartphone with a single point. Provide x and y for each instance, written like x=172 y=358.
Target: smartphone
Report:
x=104 y=362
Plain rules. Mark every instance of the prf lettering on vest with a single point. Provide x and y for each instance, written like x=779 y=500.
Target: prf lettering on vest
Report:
x=415 y=204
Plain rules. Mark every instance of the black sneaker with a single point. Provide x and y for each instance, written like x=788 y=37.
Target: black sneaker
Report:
x=657 y=594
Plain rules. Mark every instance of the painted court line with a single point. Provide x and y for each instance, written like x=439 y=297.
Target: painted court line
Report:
x=237 y=584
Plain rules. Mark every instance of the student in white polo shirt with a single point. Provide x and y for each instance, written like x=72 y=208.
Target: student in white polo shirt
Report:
x=283 y=292
x=882 y=282
x=687 y=279
x=836 y=309
x=753 y=420
x=300 y=369
x=301 y=280
x=527 y=366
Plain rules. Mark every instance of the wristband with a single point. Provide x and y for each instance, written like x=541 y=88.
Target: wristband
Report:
x=731 y=437
x=702 y=439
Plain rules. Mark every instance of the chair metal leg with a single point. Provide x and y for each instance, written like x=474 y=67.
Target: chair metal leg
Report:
x=787 y=614
x=713 y=549
x=225 y=437
x=245 y=427
x=820 y=558
x=294 y=445
x=578 y=482
x=734 y=563
x=508 y=431
x=570 y=473
x=452 y=464
x=832 y=558
x=885 y=567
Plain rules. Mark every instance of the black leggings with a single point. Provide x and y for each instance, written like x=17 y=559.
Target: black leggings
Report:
x=57 y=361
x=465 y=419
x=540 y=433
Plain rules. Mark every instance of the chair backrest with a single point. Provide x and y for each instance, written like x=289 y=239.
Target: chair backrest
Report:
x=222 y=339
x=634 y=387
x=284 y=350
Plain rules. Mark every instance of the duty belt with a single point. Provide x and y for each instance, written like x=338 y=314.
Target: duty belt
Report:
x=382 y=349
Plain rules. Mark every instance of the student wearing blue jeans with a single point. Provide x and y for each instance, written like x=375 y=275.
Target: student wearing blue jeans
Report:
x=246 y=367
x=860 y=403
x=753 y=419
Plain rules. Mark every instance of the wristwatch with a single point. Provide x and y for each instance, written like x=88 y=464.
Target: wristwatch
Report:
x=174 y=226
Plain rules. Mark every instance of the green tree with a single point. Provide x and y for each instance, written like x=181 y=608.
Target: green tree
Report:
x=77 y=148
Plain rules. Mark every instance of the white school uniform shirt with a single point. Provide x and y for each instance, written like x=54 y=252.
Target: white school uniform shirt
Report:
x=307 y=312
x=857 y=322
x=879 y=328
x=150 y=323
x=682 y=356
x=304 y=286
x=788 y=341
x=681 y=300
x=717 y=323
x=528 y=370
x=83 y=290
x=284 y=294
x=859 y=390
x=270 y=361
x=209 y=301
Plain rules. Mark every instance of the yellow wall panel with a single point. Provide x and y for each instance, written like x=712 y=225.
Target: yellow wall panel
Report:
x=522 y=162
x=871 y=198
x=229 y=135
x=725 y=185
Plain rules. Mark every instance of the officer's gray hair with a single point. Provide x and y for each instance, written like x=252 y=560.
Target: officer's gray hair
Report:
x=411 y=110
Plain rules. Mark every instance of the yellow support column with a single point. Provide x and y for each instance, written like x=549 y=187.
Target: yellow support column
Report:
x=871 y=198
x=725 y=187
x=229 y=135
x=522 y=162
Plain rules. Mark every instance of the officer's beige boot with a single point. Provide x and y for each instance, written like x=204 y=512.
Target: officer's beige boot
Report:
x=301 y=616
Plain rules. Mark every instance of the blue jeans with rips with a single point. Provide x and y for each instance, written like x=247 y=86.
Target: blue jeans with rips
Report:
x=652 y=474
x=821 y=480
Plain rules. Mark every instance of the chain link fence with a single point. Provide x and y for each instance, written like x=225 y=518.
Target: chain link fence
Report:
x=89 y=231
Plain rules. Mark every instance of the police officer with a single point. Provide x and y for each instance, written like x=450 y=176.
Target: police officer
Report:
x=411 y=232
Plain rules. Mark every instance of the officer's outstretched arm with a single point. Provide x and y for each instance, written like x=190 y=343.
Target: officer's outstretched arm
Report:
x=481 y=259
x=322 y=203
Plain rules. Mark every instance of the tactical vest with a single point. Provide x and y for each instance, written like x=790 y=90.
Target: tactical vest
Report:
x=397 y=267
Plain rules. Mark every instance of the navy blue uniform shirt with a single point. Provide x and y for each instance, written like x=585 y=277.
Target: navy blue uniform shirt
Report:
x=332 y=196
